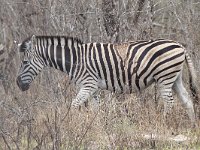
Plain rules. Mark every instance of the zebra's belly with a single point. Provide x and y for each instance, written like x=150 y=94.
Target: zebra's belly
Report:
x=104 y=85
x=141 y=83
x=137 y=85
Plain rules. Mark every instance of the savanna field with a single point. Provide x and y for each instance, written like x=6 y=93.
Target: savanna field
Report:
x=41 y=118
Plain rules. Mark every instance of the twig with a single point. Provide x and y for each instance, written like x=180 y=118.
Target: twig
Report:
x=5 y=141
x=87 y=129
x=3 y=133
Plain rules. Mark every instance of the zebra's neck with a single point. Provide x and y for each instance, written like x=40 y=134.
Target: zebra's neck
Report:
x=59 y=52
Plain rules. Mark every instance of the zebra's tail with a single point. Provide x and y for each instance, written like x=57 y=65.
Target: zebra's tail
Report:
x=192 y=78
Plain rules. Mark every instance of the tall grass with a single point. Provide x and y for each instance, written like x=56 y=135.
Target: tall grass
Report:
x=41 y=118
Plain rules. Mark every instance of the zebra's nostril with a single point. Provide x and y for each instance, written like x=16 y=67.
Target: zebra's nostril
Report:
x=18 y=80
x=21 y=85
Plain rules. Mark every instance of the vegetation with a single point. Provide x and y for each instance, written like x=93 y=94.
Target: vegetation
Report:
x=41 y=117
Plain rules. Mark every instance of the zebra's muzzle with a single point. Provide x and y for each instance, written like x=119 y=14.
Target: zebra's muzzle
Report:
x=21 y=85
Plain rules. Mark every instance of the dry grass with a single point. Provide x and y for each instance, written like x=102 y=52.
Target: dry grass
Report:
x=121 y=122
x=40 y=118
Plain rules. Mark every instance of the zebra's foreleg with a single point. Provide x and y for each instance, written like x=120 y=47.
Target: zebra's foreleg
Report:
x=83 y=95
x=96 y=101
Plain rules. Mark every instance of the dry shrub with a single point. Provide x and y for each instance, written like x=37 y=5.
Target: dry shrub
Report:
x=41 y=117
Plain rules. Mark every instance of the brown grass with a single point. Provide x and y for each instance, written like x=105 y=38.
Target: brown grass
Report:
x=41 y=118
x=121 y=122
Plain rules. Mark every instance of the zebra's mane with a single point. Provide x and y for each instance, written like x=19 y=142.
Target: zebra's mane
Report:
x=25 y=43
x=74 y=39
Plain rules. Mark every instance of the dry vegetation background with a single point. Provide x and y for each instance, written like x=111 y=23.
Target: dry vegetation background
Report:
x=41 y=119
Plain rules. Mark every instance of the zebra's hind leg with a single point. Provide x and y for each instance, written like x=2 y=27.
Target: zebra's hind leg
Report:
x=166 y=94
x=185 y=98
x=165 y=87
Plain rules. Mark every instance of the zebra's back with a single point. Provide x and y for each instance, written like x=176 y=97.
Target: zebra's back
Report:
x=130 y=67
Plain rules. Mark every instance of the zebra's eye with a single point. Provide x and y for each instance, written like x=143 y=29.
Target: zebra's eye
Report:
x=26 y=62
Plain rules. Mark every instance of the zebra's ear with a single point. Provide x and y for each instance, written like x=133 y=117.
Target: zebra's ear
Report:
x=33 y=40
x=27 y=44
x=19 y=47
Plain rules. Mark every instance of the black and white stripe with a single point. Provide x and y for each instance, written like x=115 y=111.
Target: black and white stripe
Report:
x=121 y=68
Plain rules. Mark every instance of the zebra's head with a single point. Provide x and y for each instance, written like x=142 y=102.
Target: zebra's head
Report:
x=31 y=63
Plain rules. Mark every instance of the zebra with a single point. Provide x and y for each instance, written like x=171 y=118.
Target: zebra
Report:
x=121 y=68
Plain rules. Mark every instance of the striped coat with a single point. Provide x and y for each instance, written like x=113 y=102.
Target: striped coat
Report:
x=121 y=68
